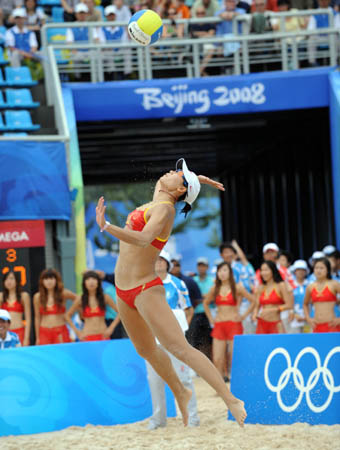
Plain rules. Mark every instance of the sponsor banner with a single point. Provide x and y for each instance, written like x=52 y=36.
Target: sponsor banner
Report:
x=52 y=387
x=285 y=379
x=185 y=97
x=22 y=233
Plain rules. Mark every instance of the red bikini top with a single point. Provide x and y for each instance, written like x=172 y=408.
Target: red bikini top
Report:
x=14 y=307
x=136 y=221
x=324 y=296
x=270 y=299
x=53 y=309
x=93 y=312
x=226 y=300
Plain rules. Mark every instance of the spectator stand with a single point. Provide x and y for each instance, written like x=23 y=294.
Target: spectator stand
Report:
x=24 y=107
x=183 y=57
x=96 y=59
x=290 y=51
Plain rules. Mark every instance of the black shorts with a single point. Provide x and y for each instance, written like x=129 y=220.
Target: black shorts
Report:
x=199 y=331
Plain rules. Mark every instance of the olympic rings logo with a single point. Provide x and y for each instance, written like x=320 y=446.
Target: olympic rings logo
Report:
x=299 y=381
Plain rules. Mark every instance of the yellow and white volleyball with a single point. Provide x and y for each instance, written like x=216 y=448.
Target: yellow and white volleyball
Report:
x=145 y=27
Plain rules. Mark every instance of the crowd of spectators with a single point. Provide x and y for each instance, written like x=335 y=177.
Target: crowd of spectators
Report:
x=21 y=22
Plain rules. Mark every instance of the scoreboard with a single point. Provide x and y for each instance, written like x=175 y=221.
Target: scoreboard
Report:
x=22 y=249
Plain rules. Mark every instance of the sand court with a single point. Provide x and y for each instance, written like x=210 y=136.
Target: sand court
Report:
x=214 y=433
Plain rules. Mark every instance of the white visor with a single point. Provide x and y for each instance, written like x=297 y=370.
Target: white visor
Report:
x=300 y=264
x=316 y=255
x=270 y=246
x=328 y=250
x=191 y=178
x=165 y=255
x=4 y=315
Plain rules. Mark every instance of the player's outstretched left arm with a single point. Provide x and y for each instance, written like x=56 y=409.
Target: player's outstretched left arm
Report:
x=206 y=180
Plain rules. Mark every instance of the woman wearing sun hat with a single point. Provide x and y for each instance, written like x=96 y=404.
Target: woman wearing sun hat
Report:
x=142 y=306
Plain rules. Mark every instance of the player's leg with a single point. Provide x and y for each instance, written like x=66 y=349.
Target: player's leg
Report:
x=144 y=341
x=157 y=314
x=183 y=372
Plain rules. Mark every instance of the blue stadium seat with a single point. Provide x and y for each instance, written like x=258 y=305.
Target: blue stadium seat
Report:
x=2 y=34
x=19 y=76
x=2 y=81
x=2 y=101
x=15 y=134
x=57 y=14
x=2 y=125
x=20 y=98
x=19 y=120
x=3 y=61
x=49 y=3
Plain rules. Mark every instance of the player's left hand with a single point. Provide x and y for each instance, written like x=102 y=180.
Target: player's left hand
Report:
x=100 y=213
x=206 y=180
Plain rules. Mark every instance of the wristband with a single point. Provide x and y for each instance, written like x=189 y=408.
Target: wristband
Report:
x=281 y=308
x=105 y=226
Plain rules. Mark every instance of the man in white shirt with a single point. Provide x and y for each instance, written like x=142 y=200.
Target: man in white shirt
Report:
x=8 y=339
x=21 y=42
x=112 y=59
x=318 y=21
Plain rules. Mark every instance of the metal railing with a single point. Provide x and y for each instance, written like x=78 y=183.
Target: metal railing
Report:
x=185 y=57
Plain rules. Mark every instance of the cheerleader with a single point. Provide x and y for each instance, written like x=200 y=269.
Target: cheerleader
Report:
x=272 y=298
x=18 y=304
x=227 y=296
x=49 y=309
x=91 y=306
x=323 y=294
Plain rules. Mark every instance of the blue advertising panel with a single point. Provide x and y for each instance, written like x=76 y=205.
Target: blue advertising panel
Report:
x=334 y=108
x=51 y=387
x=285 y=379
x=201 y=96
x=33 y=181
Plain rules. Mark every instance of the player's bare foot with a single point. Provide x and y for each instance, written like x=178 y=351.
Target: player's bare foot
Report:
x=236 y=407
x=182 y=402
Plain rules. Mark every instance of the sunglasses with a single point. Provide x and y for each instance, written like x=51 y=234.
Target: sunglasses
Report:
x=185 y=183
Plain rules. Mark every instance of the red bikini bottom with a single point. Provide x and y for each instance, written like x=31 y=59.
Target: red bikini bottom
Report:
x=325 y=328
x=128 y=296
x=225 y=331
x=54 y=335
x=266 y=327
x=94 y=337
x=21 y=333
